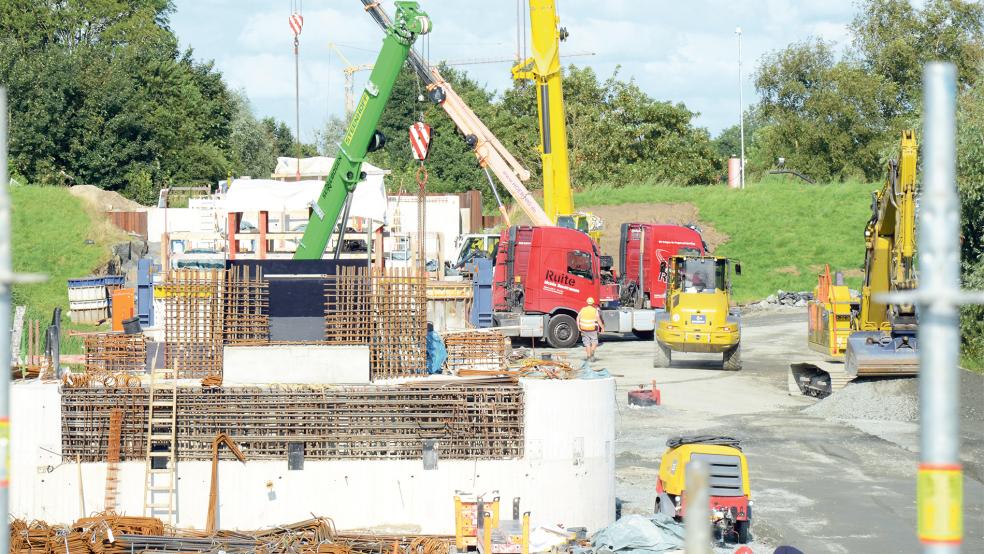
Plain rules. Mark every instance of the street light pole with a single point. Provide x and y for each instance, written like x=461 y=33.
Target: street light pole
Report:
x=741 y=112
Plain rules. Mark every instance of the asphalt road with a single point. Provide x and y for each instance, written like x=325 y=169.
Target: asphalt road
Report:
x=821 y=485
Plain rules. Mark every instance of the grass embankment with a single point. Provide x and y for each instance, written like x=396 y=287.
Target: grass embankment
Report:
x=781 y=232
x=50 y=233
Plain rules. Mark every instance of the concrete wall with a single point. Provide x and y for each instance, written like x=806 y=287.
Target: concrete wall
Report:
x=566 y=475
x=308 y=364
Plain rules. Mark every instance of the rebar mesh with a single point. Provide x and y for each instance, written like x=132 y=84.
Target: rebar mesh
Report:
x=469 y=421
x=386 y=309
x=476 y=350
x=115 y=353
x=193 y=322
x=245 y=307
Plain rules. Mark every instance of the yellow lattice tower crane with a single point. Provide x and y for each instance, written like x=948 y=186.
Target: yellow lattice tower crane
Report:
x=349 y=70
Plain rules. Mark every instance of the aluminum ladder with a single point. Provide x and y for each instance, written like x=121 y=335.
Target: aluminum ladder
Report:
x=160 y=480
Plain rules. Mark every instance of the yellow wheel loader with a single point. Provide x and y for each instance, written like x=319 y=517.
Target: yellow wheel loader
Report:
x=863 y=336
x=698 y=315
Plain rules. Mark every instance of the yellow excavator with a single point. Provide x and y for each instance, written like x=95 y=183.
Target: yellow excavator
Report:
x=864 y=337
x=543 y=68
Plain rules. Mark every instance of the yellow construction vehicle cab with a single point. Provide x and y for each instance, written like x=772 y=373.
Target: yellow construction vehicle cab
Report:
x=730 y=494
x=698 y=315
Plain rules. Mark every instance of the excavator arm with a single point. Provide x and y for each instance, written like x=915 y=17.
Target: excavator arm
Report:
x=491 y=154
x=361 y=136
x=890 y=244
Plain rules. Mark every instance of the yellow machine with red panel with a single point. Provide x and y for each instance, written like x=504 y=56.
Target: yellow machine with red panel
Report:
x=730 y=494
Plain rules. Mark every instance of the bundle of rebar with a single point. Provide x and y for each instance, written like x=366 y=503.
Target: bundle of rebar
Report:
x=108 y=533
x=92 y=535
x=399 y=304
x=475 y=351
x=113 y=458
x=469 y=420
x=115 y=353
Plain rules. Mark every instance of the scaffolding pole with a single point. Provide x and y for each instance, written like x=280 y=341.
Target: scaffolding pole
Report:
x=939 y=482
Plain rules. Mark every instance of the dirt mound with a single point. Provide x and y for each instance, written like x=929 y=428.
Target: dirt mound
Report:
x=615 y=216
x=676 y=214
x=104 y=200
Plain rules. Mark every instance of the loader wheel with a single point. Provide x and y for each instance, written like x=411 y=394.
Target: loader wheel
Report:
x=732 y=358
x=562 y=331
x=741 y=529
x=663 y=356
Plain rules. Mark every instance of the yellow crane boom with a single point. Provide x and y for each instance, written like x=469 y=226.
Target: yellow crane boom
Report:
x=543 y=68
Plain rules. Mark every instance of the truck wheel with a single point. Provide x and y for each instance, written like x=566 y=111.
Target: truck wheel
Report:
x=663 y=355
x=644 y=335
x=732 y=358
x=741 y=529
x=562 y=331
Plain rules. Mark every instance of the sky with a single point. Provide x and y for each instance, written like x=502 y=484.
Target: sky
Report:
x=676 y=51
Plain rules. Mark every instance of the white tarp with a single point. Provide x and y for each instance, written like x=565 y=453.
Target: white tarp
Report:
x=318 y=166
x=254 y=195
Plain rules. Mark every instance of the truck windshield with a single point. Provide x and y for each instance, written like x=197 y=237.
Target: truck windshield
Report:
x=704 y=275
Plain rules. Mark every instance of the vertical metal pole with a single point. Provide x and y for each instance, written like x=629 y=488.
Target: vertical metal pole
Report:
x=697 y=506
x=297 y=104
x=741 y=113
x=939 y=485
x=6 y=277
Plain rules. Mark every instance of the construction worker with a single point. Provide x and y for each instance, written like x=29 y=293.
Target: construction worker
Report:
x=589 y=323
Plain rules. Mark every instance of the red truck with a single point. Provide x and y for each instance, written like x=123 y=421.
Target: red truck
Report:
x=654 y=244
x=544 y=276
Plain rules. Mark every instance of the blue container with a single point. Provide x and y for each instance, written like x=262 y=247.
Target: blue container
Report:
x=481 y=314
x=83 y=282
x=145 y=292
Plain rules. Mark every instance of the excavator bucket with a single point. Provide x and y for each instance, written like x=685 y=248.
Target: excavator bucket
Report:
x=817 y=378
x=878 y=354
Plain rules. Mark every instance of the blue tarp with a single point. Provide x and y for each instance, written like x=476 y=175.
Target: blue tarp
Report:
x=636 y=534
x=436 y=352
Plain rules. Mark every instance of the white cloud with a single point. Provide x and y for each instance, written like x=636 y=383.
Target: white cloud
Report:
x=682 y=52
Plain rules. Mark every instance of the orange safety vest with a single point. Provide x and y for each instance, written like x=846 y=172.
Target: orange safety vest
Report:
x=588 y=319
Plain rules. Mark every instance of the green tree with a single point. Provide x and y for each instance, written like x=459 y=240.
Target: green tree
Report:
x=331 y=135
x=252 y=147
x=894 y=39
x=826 y=118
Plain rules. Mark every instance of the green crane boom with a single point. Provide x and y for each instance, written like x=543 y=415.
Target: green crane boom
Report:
x=361 y=136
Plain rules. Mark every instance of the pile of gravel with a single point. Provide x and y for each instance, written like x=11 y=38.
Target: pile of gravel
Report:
x=881 y=400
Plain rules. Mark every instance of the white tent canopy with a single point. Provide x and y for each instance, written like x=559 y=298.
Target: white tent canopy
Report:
x=255 y=195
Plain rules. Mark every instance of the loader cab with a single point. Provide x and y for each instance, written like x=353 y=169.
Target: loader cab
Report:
x=700 y=274
x=699 y=317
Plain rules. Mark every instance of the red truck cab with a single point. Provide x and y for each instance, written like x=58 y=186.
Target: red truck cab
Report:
x=653 y=244
x=545 y=275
